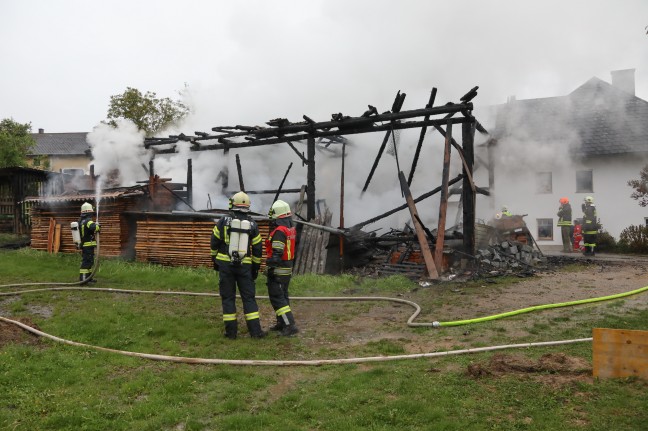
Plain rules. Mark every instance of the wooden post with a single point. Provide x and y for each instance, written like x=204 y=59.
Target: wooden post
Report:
x=240 y=173
x=468 y=195
x=420 y=233
x=341 y=237
x=310 y=178
x=189 y=182
x=443 y=204
x=619 y=353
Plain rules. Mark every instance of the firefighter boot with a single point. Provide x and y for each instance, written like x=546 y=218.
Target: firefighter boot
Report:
x=231 y=327
x=254 y=327
x=290 y=328
x=279 y=325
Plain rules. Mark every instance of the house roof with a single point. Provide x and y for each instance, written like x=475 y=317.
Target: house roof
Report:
x=595 y=119
x=88 y=196
x=52 y=144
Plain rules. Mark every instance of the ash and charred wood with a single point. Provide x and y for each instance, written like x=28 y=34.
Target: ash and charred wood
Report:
x=470 y=95
x=443 y=204
x=402 y=207
x=267 y=192
x=421 y=138
x=282 y=183
x=420 y=233
x=240 y=173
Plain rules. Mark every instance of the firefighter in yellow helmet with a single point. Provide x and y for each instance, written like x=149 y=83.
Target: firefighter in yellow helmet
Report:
x=280 y=254
x=88 y=231
x=236 y=249
x=565 y=224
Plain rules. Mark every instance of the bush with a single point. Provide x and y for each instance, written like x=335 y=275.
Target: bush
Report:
x=605 y=242
x=634 y=239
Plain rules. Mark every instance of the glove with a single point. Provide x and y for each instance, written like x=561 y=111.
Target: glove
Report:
x=214 y=263
x=255 y=271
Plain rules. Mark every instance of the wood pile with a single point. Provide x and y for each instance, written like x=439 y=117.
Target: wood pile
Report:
x=179 y=242
x=114 y=229
x=310 y=256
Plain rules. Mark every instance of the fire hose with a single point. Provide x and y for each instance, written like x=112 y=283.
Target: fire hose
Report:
x=410 y=322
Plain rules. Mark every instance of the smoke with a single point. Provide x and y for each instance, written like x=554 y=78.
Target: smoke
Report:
x=118 y=153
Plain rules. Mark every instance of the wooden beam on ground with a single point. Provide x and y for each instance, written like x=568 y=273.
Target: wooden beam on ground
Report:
x=420 y=233
x=620 y=353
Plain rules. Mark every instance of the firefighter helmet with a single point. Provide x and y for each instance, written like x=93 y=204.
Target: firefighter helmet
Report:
x=86 y=208
x=564 y=201
x=504 y=208
x=279 y=209
x=589 y=200
x=240 y=202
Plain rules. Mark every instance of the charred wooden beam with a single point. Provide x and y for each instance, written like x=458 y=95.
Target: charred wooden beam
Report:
x=468 y=195
x=282 y=183
x=310 y=178
x=402 y=207
x=420 y=232
x=240 y=173
x=376 y=160
x=421 y=138
x=443 y=204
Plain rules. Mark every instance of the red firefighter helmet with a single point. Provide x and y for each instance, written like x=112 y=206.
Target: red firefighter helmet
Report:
x=564 y=201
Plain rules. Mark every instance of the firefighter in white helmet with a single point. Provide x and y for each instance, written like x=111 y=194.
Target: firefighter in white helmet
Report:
x=236 y=249
x=280 y=254
x=88 y=231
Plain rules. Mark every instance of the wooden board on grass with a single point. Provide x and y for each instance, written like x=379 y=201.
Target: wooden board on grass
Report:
x=620 y=353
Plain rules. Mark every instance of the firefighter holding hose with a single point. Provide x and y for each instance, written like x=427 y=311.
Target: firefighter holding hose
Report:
x=280 y=254
x=88 y=231
x=236 y=250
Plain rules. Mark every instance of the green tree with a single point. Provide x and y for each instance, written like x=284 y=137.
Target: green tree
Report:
x=641 y=187
x=149 y=113
x=15 y=143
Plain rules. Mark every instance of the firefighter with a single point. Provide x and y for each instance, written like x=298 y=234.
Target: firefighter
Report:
x=565 y=224
x=506 y=212
x=590 y=226
x=280 y=254
x=88 y=231
x=236 y=250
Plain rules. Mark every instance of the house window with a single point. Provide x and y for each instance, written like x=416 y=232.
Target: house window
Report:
x=37 y=161
x=646 y=221
x=543 y=182
x=584 y=182
x=545 y=228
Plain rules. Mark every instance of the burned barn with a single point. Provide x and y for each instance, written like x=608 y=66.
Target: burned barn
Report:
x=16 y=183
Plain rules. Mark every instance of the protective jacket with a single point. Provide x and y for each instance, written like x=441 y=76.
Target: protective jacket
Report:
x=88 y=230
x=565 y=215
x=280 y=247
x=220 y=241
x=590 y=223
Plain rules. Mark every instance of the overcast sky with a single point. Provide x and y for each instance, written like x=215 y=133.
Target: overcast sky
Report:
x=245 y=62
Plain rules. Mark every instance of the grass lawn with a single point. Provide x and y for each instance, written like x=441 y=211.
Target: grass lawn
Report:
x=45 y=385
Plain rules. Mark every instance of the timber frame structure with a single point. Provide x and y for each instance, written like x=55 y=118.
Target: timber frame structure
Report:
x=282 y=131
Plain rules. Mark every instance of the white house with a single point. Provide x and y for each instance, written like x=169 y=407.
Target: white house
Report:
x=587 y=143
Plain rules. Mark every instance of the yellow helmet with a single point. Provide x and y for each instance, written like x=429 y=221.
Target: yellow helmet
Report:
x=279 y=209
x=86 y=208
x=240 y=202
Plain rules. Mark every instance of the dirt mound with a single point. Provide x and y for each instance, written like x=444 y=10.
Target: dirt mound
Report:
x=551 y=363
x=12 y=334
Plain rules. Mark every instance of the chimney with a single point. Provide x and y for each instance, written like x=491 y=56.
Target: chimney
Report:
x=41 y=131
x=624 y=80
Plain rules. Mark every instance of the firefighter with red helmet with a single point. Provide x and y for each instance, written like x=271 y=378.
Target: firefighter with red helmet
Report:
x=236 y=250
x=88 y=231
x=280 y=254
x=565 y=224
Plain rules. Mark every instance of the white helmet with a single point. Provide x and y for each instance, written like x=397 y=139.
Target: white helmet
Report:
x=86 y=208
x=240 y=202
x=279 y=209
x=589 y=200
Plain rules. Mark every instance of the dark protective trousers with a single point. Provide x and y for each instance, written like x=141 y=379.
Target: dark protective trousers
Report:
x=231 y=276
x=566 y=237
x=87 y=261
x=280 y=299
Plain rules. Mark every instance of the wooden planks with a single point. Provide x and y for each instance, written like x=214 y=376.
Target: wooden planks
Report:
x=620 y=353
x=310 y=256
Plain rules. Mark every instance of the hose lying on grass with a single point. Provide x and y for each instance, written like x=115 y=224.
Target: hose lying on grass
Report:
x=410 y=322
